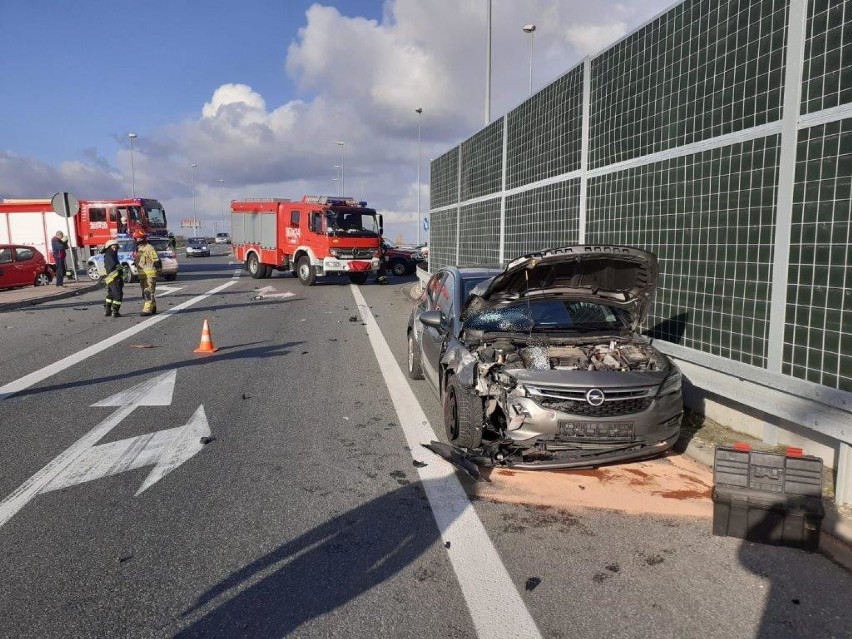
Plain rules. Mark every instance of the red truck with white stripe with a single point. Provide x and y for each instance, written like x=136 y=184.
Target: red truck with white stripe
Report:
x=319 y=235
x=34 y=222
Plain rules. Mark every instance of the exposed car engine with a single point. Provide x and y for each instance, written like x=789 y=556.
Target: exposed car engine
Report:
x=616 y=355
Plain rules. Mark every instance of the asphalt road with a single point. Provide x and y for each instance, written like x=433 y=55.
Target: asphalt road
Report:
x=304 y=513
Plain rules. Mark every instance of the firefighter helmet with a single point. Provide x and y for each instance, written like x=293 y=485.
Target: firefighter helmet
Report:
x=140 y=235
x=110 y=243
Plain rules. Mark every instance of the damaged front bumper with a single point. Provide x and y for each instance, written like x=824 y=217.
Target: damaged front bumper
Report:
x=555 y=454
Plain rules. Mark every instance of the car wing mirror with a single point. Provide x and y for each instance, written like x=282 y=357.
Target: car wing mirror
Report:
x=435 y=319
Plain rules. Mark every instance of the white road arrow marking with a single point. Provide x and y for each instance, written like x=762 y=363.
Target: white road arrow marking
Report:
x=163 y=289
x=166 y=449
x=269 y=292
x=154 y=392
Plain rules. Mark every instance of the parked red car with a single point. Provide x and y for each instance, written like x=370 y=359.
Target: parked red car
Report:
x=400 y=261
x=23 y=266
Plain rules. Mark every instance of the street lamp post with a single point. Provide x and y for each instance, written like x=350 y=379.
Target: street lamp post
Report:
x=132 y=137
x=530 y=28
x=337 y=179
x=342 y=170
x=194 y=212
x=419 y=112
x=488 y=68
x=222 y=203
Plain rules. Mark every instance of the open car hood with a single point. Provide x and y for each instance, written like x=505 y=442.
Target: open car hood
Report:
x=620 y=276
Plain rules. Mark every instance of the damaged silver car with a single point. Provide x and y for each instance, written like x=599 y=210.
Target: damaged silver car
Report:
x=543 y=364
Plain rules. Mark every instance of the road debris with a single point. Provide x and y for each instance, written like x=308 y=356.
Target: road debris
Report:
x=452 y=455
x=142 y=346
x=532 y=582
x=419 y=464
x=207 y=440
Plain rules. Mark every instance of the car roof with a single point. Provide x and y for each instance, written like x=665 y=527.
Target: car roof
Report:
x=468 y=272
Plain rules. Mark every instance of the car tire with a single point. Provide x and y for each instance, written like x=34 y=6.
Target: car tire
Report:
x=464 y=415
x=305 y=272
x=415 y=371
x=398 y=267
x=93 y=272
x=42 y=279
x=171 y=277
x=126 y=274
x=254 y=267
x=359 y=278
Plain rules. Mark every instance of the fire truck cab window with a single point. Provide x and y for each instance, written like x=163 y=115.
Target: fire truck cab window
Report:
x=294 y=218
x=113 y=217
x=316 y=222
x=97 y=215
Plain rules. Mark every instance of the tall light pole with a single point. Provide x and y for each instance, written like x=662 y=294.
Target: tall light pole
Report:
x=530 y=28
x=342 y=170
x=132 y=137
x=222 y=202
x=419 y=112
x=194 y=212
x=337 y=166
x=488 y=67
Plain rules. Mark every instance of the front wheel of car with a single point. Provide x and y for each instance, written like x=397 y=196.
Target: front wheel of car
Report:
x=398 y=267
x=126 y=274
x=93 y=272
x=42 y=279
x=464 y=415
x=414 y=369
x=171 y=277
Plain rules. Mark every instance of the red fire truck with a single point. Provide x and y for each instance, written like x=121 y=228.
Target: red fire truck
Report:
x=34 y=222
x=318 y=236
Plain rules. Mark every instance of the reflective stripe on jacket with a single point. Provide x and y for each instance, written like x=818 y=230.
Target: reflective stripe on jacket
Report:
x=146 y=257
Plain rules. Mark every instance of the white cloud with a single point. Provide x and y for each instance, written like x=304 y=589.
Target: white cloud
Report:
x=359 y=81
x=229 y=94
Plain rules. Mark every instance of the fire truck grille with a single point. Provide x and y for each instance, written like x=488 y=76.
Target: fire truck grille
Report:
x=356 y=254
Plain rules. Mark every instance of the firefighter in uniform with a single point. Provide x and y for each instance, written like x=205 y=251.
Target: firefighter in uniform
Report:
x=148 y=264
x=382 y=274
x=113 y=279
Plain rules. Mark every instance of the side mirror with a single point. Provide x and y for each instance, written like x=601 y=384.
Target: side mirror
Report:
x=435 y=319
x=381 y=225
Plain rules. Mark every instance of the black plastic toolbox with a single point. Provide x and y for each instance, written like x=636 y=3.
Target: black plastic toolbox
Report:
x=770 y=498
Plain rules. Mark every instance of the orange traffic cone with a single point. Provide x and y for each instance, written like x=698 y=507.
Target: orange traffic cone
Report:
x=206 y=345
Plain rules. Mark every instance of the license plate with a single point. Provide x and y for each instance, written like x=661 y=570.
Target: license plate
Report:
x=596 y=430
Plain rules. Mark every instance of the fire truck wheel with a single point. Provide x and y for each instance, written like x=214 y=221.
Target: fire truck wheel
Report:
x=305 y=271
x=267 y=272
x=253 y=266
x=358 y=278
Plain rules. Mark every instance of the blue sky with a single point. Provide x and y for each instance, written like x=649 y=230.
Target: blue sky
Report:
x=257 y=92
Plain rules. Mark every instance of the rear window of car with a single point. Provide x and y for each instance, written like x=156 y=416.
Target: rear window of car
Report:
x=5 y=255
x=160 y=245
x=22 y=254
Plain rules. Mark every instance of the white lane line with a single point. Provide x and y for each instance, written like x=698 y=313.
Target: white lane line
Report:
x=57 y=367
x=495 y=605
